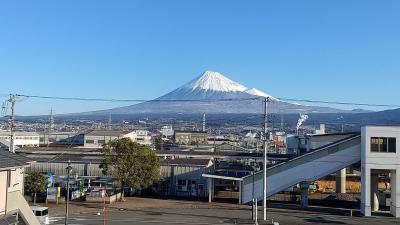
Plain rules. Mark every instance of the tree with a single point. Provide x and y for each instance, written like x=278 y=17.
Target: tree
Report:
x=158 y=142
x=35 y=183
x=133 y=165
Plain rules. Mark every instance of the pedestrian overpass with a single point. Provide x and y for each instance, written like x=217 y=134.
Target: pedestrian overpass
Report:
x=319 y=163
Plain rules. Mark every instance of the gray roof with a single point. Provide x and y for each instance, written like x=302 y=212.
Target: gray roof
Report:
x=12 y=160
x=19 y=133
x=185 y=161
x=112 y=133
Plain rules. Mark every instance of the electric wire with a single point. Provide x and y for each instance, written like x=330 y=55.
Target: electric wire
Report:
x=277 y=99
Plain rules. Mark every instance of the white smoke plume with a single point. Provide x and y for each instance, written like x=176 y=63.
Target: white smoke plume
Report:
x=302 y=119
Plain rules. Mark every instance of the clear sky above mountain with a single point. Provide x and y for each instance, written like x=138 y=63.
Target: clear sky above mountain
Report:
x=325 y=50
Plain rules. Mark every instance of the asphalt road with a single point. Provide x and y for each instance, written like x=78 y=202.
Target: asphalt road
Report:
x=214 y=216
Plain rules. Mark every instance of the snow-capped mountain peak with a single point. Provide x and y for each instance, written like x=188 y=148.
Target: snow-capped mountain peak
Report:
x=214 y=81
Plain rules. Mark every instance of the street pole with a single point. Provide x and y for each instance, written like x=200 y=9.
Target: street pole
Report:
x=67 y=202
x=252 y=207
x=104 y=204
x=13 y=100
x=265 y=156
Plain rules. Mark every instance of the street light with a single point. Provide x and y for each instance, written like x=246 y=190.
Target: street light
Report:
x=69 y=170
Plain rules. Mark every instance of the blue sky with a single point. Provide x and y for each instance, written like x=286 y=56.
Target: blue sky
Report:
x=325 y=50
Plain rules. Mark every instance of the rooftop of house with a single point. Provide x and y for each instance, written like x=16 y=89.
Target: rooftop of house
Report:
x=10 y=160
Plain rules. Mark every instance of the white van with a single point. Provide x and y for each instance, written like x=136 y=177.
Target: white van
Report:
x=42 y=213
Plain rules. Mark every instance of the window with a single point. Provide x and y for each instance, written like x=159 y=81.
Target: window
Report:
x=392 y=145
x=89 y=141
x=100 y=142
x=383 y=144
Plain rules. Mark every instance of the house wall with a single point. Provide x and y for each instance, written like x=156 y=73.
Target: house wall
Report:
x=16 y=184
x=16 y=180
x=3 y=188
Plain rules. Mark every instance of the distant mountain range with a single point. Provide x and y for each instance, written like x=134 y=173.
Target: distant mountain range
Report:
x=212 y=92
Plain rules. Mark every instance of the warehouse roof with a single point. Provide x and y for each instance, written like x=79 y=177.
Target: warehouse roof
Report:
x=112 y=133
x=186 y=161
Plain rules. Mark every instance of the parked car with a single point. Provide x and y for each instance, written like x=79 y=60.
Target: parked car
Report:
x=42 y=213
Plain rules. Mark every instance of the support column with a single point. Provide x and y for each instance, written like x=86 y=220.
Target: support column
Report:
x=240 y=192
x=365 y=190
x=341 y=181
x=304 y=186
x=210 y=190
x=374 y=192
x=395 y=194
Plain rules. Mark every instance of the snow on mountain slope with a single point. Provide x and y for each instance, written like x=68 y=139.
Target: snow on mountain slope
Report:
x=214 y=81
x=213 y=85
x=256 y=92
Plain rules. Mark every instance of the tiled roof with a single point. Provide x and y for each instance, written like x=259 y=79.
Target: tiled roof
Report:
x=12 y=160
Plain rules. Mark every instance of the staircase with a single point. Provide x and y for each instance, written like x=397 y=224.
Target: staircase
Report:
x=312 y=166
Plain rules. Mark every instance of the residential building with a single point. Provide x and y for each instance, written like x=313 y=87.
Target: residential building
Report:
x=12 y=201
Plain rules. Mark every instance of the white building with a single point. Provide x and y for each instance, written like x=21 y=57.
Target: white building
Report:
x=22 y=139
x=380 y=155
x=97 y=138
x=167 y=131
x=12 y=201
x=142 y=137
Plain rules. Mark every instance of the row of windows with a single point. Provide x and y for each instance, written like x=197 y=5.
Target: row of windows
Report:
x=383 y=144
x=21 y=138
x=92 y=141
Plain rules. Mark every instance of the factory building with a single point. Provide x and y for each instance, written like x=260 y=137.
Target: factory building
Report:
x=22 y=139
x=191 y=137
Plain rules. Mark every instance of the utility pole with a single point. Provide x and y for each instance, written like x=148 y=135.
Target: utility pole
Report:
x=266 y=100
x=11 y=123
x=69 y=169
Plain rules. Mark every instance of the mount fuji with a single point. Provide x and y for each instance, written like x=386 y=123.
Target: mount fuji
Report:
x=212 y=92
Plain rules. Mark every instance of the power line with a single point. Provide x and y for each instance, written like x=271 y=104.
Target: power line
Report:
x=338 y=103
x=209 y=100
x=136 y=100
